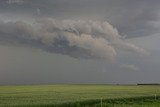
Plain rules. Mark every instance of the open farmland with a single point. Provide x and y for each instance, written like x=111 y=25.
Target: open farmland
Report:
x=50 y=95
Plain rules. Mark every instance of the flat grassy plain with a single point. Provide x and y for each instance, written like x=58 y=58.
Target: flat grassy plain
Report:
x=78 y=95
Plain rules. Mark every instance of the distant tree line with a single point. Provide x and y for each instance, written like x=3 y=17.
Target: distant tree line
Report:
x=148 y=84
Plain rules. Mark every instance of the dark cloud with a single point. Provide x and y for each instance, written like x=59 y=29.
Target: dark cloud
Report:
x=80 y=39
x=131 y=18
x=83 y=29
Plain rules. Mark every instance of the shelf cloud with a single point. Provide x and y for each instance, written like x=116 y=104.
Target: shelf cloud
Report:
x=75 y=38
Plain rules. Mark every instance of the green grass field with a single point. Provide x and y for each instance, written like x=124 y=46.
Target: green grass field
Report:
x=78 y=95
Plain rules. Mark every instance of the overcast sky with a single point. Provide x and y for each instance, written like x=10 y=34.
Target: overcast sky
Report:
x=79 y=41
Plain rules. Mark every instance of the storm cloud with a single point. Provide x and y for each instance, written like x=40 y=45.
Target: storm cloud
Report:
x=131 y=18
x=76 y=38
x=50 y=40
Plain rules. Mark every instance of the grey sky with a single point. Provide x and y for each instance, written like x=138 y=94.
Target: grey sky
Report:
x=79 y=41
